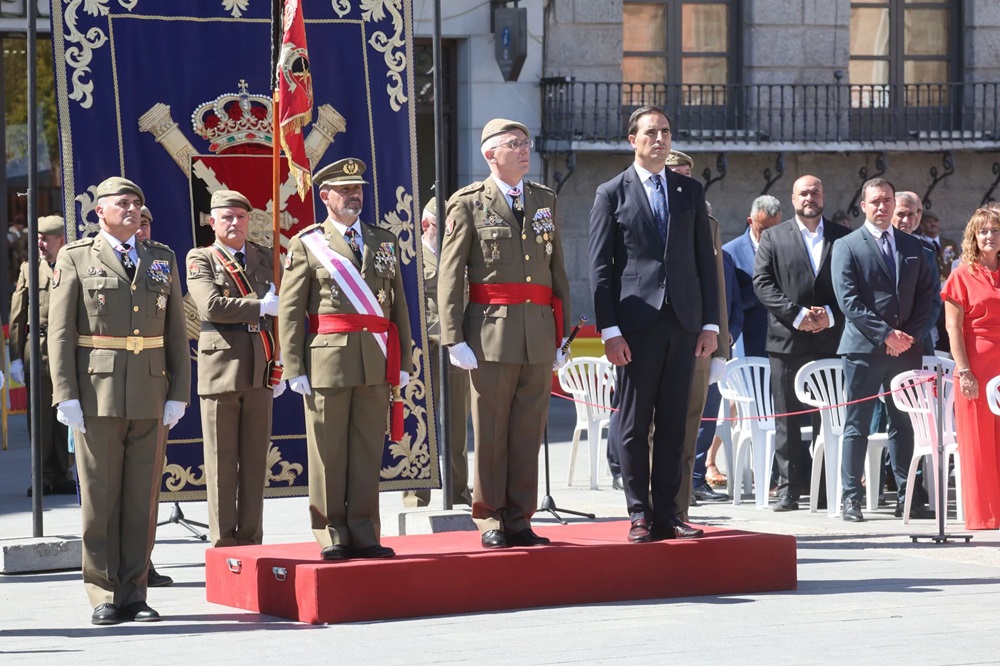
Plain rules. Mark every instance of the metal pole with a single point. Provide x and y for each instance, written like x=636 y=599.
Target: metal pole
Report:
x=444 y=436
x=34 y=370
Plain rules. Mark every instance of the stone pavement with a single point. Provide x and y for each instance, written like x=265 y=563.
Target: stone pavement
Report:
x=866 y=595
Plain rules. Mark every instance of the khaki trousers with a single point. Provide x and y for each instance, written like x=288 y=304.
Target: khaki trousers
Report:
x=510 y=405
x=345 y=430
x=696 y=407
x=120 y=462
x=237 y=434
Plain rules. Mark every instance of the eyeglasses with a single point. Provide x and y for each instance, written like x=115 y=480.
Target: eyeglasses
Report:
x=518 y=144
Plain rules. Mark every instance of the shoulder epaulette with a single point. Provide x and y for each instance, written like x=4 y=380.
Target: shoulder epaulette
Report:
x=152 y=243
x=310 y=228
x=89 y=240
x=471 y=187
x=539 y=186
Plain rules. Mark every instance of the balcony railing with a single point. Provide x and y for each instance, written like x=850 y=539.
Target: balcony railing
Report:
x=788 y=117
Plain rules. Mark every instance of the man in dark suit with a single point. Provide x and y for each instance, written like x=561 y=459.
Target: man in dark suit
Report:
x=885 y=289
x=764 y=213
x=792 y=280
x=656 y=299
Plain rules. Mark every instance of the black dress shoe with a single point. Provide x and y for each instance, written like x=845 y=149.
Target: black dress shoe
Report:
x=156 y=579
x=375 y=552
x=639 y=532
x=63 y=487
x=704 y=493
x=139 y=611
x=786 y=503
x=106 y=614
x=334 y=553
x=917 y=511
x=684 y=531
x=616 y=483
x=851 y=511
x=526 y=537
x=494 y=539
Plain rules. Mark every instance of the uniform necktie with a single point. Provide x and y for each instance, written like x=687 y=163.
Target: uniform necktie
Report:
x=352 y=240
x=123 y=254
x=516 y=206
x=660 y=206
x=890 y=260
x=242 y=258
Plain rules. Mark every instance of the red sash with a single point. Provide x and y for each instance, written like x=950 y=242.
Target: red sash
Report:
x=324 y=324
x=516 y=293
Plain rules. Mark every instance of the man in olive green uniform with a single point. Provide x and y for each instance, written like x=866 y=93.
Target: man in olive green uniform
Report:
x=121 y=368
x=345 y=336
x=504 y=232
x=459 y=404
x=56 y=476
x=231 y=283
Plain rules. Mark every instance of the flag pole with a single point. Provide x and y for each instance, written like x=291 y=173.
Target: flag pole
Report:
x=277 y=7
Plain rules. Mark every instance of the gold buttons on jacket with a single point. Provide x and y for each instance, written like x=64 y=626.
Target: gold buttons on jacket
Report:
x=134 y=287
x=527 y=257
x=524 y=236
x=527 y=279
x=135 y=332
x=135 y=308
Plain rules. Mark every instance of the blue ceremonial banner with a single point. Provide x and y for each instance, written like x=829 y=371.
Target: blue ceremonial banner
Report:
x=176 y=96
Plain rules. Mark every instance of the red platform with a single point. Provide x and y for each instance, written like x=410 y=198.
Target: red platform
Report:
x=440 y=574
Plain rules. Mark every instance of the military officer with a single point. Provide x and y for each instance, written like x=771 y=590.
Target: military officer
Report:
x=505 y=233
x=56 y=461
x=458 y=380
x=231 y=283
x=120 y=368
x=345 y=336
x=145 y=230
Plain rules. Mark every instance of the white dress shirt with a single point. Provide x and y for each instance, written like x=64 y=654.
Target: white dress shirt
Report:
x=814 y=247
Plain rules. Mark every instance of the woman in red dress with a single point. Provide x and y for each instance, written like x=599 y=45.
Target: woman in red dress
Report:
x=972 y=317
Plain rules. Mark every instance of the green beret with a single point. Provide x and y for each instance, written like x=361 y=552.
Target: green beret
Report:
x=144 y=214
x=348 y=171
x=229 y=199
x=432 y=207
x=119 y=185
x=677 y=158
x=52 y=225
x=499 y=126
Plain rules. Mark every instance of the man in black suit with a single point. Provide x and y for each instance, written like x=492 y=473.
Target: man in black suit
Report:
x=886 y=291
x=656 y=299
x=792 y=280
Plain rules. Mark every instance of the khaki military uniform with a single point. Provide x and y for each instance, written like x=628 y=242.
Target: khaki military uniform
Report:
x=347 y=412
x=236 y=400
x=459 y=402
x=515 y=345
x=699 y=385
x=122 y=393
x=56 y=459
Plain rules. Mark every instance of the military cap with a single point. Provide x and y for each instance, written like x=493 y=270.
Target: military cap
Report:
x=499 y=126
x=348 y=171
x=432 y=207
x=677 y=158
x=119 y=185
x=51 y=225
x=145 y=214
x=230 y=199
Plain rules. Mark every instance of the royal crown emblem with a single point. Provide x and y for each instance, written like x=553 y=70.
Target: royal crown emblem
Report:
x=235 y=122
x=351 y=168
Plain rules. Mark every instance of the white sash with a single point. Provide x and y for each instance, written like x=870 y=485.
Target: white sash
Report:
x=343 y=271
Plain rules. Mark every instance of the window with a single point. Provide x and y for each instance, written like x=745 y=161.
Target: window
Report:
x=903 y=52
x=689 y=42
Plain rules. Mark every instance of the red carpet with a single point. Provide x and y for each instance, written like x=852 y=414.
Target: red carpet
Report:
x=439 y=574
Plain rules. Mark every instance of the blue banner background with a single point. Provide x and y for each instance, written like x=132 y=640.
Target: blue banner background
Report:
x=118 y=62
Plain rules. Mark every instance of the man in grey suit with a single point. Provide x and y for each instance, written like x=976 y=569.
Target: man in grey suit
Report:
x=885 y=289
x=656 y=298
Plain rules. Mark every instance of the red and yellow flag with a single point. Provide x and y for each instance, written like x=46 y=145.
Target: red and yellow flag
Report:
x=295 y=94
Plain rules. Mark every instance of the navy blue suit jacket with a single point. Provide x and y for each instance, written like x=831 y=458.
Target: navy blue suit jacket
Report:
x=754 y=312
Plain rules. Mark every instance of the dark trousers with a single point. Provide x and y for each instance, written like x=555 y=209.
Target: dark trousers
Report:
x=614 y=443
x=654 y=390
x=791 y=453
x=866 y=375
x=706 y=434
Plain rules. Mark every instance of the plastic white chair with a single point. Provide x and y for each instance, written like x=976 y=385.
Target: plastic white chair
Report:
x=914 y=395
x=591 y=382
x=747 y=383
x=822 y=384
x=993 y=395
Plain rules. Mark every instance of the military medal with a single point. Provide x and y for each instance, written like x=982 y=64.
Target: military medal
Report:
x=385 y=259
x=381 y=296
x=96 y=270
x=101 y=300
x=161 y=302
x=159 y=271
x=544 y=229
x=225 y=293
x=495 y=250
x=334 y=292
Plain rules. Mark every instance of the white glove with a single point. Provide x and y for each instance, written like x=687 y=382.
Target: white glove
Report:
x=269 y=304
x=404 y=379
x=716 y=370
x=279 y=388
x=300 y=384
x=173 y=411
x=1 y=379
x=562 y=358
x=70 y=413
x=16 y=371
x=462 y=356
